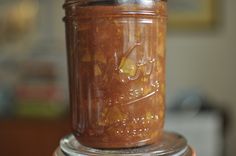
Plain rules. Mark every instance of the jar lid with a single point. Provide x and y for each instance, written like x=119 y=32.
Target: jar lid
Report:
x=171 y=144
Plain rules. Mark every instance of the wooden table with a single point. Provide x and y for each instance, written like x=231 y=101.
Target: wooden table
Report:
x=20 y=137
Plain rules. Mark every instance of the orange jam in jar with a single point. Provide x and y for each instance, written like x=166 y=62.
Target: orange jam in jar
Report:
x=116 y=62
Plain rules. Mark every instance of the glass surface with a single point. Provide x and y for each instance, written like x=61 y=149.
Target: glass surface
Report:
x=116 y=59
x=170 y=144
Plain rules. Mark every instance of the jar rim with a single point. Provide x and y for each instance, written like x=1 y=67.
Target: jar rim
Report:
x=83 y=2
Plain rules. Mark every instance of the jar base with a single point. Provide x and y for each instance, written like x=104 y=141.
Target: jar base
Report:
x=171 y=144
x=116 y=142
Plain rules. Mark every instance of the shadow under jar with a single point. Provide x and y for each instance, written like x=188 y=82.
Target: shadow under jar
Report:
x=116 y=62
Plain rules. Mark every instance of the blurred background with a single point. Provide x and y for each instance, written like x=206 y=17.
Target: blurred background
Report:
x=201 y=87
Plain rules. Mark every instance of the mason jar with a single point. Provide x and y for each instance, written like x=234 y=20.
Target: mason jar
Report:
x=116 y=63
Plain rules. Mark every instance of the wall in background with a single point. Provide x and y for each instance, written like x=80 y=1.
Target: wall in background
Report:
x=206 y=61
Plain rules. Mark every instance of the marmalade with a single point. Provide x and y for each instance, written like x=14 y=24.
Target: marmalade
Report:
x=116 y=62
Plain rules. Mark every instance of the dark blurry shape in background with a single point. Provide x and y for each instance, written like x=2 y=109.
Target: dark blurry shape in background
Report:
x=18 y=19
x=33 y=80
x=30 y=61
x=193 y=14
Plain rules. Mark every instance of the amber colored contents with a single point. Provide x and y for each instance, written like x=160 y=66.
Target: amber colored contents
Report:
x=117 y=74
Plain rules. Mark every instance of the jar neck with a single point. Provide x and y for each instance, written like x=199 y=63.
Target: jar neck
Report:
x=79 y=8
x=110 y=2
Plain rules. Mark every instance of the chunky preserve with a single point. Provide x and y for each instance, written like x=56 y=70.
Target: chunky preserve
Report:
x=116 y=59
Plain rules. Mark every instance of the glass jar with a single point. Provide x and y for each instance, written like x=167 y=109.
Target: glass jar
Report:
x=116 y=60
